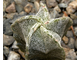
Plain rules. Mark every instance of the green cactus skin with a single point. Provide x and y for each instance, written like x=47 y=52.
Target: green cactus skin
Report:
x=39 y=37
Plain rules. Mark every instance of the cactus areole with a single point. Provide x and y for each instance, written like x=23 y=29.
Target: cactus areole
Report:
x=39 y=36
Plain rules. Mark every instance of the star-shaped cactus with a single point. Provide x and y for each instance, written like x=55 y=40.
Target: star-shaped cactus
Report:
x=39 y=36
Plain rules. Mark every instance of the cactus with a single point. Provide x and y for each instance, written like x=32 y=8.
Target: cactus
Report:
x=39 y=36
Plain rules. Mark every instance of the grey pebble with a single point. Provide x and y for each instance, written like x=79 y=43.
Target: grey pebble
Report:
x=4 y=6
x=11 y=15
x=62 y=5
x=71 y=55
x=14 y=46
x=75 y=31
x=19 y=8
x=51 y=3
x=75 y=22
x=6 y=27
x=71 y=43
x=31 y=0
x=6 y=51
x=20 y=5
x=13 y=56
x=69 y=34
x=7 y=40
x=75 y=44
x=22 y=13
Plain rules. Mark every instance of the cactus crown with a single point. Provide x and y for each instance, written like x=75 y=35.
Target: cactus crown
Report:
x=39 y=36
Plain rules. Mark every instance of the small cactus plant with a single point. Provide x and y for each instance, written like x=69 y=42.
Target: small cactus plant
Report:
x=39 y=37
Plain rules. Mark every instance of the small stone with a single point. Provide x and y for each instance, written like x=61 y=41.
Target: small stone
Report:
x=75 y=13
x=34 y=0
x=75 y=44
x=75 y=31
x=20 y=2
x=7 y=40
x=19 y=8
x=7 y=27
x=11 y=15
x=57 y=8
x=28 y=8
x=32 y=11
x=13 y=56
x=71 y=43
x=22 y=13
x=51 y=3
x=43 y=1
x=16 y=17
x=5 y=51
x=4 y=19
x=75 y=22
x=69 y=34
x=14 y=46
x=4 y=6
x=11 y=8
x=66 y=1
x=70 y=10
x=73 y=16
x=72 y=7
x=64 y=45
x=67 y=59
x=73 y=4
x=31 y=0
x=65 y=40
x=4 y=15
x=70 y=54
x=20 y=5
x=36 y=4
x=62 y=5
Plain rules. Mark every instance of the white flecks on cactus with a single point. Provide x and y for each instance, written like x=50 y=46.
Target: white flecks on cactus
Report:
x=39 y=36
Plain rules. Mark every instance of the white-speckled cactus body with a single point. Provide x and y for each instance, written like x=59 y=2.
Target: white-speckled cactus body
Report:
x=39 y=37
